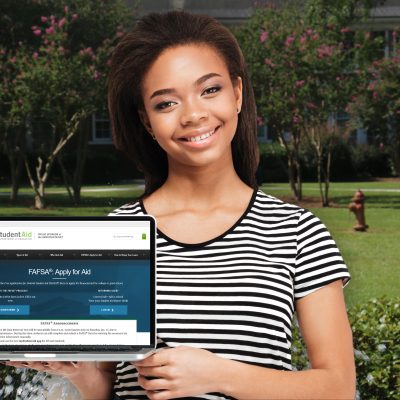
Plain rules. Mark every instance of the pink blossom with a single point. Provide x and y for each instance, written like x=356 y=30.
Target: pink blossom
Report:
x=89 y=50
x=381 y=146
x=52 y=19
x=309 y=32
x=120 y=34
x=296 y=119
x=371 y=86
x=35 y=55
x=300 y=83
x=46 y=42
x=325 y=51
x=50 y=30
x=66 y=9
x=109 y=62
x=37 y=32
x=375 y=95
x=97 y=75
x=303 y=39
x=263 y=36
x=289 y=40
x=13 y=60
x=34 y=27
x=311 y=105
x=61 y=50
x=269 y=62
x=75 y=17
x=345 y=30
x=315 y=37
x=260 y=121
x=43 y=19
x=61 y=22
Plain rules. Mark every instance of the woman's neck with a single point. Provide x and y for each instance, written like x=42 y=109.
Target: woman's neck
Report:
x=199 y=188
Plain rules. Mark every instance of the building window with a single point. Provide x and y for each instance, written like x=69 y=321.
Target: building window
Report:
x=262 y=134
x=101 y=129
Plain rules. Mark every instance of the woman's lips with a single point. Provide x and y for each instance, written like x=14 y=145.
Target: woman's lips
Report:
x=200 y=140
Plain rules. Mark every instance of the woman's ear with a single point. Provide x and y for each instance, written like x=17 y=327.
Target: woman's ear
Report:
x=238 y=89
x=145 y=121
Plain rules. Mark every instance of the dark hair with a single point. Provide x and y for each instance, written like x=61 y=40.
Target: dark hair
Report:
x=132 y=58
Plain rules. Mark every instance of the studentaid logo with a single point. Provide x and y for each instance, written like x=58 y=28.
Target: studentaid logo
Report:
x=16 y=235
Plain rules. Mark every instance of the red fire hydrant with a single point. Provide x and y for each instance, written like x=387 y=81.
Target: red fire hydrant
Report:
x=357 y=207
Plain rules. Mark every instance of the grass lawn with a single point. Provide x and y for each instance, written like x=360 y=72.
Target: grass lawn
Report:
x=373 y=257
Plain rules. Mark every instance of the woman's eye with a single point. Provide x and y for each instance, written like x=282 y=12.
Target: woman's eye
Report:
x=164 y=105
x=212 y=90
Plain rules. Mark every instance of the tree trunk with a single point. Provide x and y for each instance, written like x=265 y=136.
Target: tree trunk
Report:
x=66 y=177
x=73 y=183
x=327 y=178
x=39 y=196
x=43 y=169
x=294 y=168
x=80 y=164
x=14 y=147
x=16 y=162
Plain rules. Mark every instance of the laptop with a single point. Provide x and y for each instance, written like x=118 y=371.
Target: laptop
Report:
x=77 y=288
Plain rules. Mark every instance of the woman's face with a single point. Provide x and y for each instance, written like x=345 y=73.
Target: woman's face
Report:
x=191 y=105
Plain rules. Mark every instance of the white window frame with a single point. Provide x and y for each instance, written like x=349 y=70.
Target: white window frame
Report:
x=95 y=139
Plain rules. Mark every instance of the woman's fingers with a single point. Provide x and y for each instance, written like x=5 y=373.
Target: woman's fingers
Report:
x=160 y=372
x=153 y=384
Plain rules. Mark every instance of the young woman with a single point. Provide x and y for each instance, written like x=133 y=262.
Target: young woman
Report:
x=233 y=263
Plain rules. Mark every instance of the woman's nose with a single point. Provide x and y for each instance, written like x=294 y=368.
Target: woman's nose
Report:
x=193 y=113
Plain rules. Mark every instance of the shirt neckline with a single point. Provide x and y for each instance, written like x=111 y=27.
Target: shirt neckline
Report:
x=207 y=242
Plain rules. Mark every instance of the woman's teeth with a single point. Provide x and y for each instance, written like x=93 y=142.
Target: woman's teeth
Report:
x=201 y=137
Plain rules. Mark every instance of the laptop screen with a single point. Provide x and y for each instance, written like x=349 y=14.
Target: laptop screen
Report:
x=77 y=283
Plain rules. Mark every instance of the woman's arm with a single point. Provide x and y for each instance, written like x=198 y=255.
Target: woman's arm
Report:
x=323 y=322
x=327 y=335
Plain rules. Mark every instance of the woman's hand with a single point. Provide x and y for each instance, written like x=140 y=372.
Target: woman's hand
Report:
x=180 y=372
x=92 y=381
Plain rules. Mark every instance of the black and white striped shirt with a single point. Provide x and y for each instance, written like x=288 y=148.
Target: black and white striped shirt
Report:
x=235 y=295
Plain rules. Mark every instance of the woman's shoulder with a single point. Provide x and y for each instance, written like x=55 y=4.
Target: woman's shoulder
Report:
x=270 y=203
x=133 y=208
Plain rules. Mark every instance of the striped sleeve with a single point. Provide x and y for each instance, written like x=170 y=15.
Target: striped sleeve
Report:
x=318 y=260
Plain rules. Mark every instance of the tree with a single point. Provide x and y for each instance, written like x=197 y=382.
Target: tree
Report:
x=304 y=65
x=377 y=106
x=73 y=43
x=59 y=87
x=12 y=110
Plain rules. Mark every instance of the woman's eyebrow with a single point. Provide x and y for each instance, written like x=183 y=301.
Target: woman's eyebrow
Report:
x=197 y=83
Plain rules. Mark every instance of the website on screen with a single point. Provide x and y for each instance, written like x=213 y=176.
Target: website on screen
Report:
x=66 y=283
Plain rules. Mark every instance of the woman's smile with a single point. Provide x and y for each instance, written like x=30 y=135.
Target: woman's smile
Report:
x=200 y=138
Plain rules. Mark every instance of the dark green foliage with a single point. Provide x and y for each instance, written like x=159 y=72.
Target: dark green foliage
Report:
x=376 y=338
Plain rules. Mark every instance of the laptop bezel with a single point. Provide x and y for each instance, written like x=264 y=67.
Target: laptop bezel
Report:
x=99 y=353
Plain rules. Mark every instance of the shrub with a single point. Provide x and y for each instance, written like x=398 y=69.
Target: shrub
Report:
x=273 y=163
x=372 y=161
x=17 y=383
x=376 y=338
